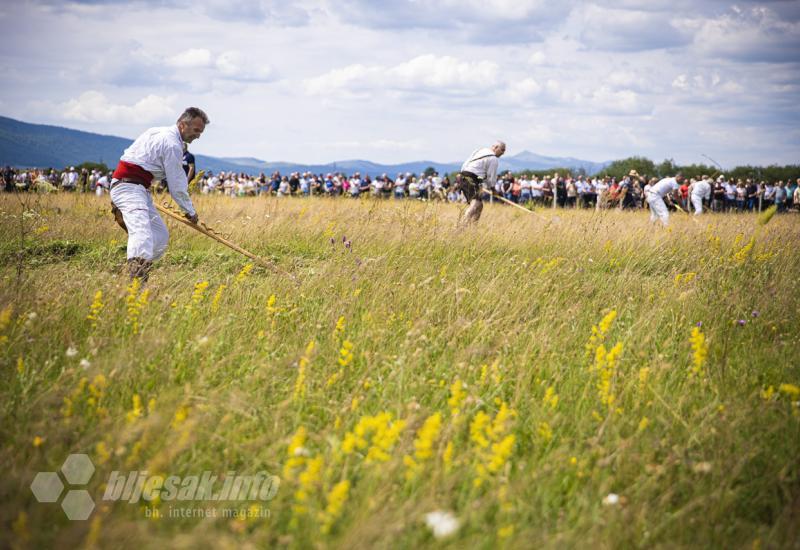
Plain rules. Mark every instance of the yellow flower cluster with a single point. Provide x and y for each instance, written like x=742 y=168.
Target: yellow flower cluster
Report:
x=135 y=302
x=307 y=484
x=95 y=308
x=457 y=397
x=699 y=352
x=742 y=255
x=493 y=443
x=494 y=371
x=605 y=363
x=345 y=359
x=423 y=445
x=197 y=295
x=685 y=278
x=375 y=434
x=242 y=275
x=5 y=320
x=791 y=390
x=599 y=332
x=295 y=454
x=335 y=503
x=136 y=411
x=340 y=325
x=88 y=396
x=550 y=398
x=217 y=298
x=302 y=365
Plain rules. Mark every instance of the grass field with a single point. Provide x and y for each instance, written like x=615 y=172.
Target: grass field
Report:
x=585 y=380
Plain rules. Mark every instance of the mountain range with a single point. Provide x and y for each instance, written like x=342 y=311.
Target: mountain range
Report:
x=38 y=145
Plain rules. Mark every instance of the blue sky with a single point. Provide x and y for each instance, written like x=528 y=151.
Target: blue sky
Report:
x=404 y=80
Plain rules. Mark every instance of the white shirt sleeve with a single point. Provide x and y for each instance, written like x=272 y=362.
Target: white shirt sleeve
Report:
x=491 y=171
x=176 y=178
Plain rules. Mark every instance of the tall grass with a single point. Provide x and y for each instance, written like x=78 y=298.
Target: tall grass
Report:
x=586 y=379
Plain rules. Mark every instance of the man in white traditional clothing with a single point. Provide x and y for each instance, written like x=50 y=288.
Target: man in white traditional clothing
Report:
x=656 y=194
x=479 y=170
x=699 y=191
x=156 y=154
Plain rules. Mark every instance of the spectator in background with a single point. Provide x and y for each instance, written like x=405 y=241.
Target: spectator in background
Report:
x=188 y=163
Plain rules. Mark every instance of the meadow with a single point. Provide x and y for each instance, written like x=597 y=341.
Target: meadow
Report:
x=585 y=379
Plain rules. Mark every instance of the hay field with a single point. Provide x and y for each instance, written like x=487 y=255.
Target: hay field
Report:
x=582 y=380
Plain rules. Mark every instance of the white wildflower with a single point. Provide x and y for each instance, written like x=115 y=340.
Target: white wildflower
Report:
x=611 y=499
x=71 y=352
x=443 y=524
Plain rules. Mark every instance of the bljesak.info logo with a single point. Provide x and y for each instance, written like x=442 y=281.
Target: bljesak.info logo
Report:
x=137 y=486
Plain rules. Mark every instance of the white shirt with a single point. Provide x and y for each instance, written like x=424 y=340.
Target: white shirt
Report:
x=483 y=163
x=702 y=189
x=665 y=186
x=160 y=152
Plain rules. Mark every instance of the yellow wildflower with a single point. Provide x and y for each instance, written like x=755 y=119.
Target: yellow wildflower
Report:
x=217 y=298
x=242 y=275
x=375 y=434
x=599 y=332
x=95 y=308
x=295 y=454
x=37 y=441
x=137 y=410
x=307 y=482
x=699 y=352
x=457 y=397
x=447 y=456
x=340 y=325
x=545 y=432
x=423 y=444
x=550 y=398
x=791 y=390
x=302 y=364
x=335 y=503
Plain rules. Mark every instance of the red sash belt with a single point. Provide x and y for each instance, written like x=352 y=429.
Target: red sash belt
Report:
x=133 y=173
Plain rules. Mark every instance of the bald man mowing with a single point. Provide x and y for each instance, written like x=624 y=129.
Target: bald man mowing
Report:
x=480 y=169
x=156 y=154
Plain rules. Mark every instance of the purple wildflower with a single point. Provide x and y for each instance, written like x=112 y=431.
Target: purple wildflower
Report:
x=741 y=322
x=755 y=313
x=698 y=324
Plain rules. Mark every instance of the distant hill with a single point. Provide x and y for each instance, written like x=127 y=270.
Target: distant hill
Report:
x=38 y=145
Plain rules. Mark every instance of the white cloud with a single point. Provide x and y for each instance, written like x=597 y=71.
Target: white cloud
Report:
x=191 y=59
x=430 y=74
x=630 y=30
x=235 y=66
x=537 y=58
x=94 y=107
x=756 y=34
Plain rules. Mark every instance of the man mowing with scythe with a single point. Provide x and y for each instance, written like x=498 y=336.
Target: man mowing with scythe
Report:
x=156 y=154
x=479 y=169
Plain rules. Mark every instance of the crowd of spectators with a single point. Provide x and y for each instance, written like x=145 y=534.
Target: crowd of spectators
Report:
x=555 y=190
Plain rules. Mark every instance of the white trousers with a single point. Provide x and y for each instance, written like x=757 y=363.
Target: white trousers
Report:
x=697 y=202
x=147 y=233
x=658 y=210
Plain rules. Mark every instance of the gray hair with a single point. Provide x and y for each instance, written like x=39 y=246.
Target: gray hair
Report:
x=193 y=112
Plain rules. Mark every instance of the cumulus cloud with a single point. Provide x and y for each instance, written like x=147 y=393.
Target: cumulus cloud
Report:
x=487 y=21
x=629 y=30
x=236 y=66
x=94 y=107
x=430 y=74
x=190 y=59
x=754 y=34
